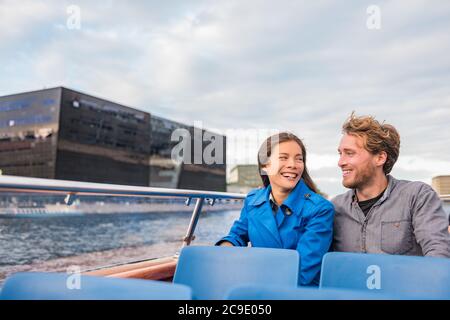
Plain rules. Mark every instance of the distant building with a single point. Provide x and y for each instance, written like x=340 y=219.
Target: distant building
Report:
x=441 y=184
x=60 y=133
x=243 y=178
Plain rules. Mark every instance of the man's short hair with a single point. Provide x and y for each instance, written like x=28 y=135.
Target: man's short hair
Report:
x=376 y=137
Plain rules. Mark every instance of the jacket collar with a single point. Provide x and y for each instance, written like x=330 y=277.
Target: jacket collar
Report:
x=294 y=201
x=391 y=184
x=261 y=196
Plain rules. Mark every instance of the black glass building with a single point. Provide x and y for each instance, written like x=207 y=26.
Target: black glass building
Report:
x=60 y=133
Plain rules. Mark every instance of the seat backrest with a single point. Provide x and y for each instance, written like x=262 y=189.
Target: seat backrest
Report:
x=301 y=293
x=408 y=276
x=60 y=286
x=212 y=271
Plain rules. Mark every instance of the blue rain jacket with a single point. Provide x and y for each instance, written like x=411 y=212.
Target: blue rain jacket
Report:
x=307 y=228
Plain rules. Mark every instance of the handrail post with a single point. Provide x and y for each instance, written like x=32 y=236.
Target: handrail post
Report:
x=193 y=223
x=69 y=199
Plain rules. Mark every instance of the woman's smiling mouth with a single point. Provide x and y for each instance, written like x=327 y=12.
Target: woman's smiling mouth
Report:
x=290 y=176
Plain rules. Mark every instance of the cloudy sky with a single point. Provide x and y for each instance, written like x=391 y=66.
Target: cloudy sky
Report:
x=248 y=67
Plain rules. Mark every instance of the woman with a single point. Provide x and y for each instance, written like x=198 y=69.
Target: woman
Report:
x=288 y=212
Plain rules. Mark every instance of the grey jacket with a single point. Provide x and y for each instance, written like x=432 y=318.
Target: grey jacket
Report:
x=408 y=220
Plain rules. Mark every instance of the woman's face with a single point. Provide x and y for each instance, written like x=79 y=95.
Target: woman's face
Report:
x=285 y=166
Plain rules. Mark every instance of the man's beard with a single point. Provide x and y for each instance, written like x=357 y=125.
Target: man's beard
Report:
x=363 y=178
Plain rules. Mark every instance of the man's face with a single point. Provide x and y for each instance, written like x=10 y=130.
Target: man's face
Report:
x=358 y=165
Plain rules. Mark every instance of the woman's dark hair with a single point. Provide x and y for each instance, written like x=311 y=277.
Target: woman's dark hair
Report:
x=265 y=151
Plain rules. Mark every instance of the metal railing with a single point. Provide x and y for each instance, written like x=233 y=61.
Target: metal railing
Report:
x=72 y=189
x=75 y=188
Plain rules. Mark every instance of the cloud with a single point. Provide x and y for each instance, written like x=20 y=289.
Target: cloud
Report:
x=18 y=19
x=300 y=66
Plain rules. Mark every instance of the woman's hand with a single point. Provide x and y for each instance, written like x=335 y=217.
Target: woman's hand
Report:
x=226 y=244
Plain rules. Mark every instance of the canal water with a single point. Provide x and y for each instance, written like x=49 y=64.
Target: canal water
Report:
x=56 y=242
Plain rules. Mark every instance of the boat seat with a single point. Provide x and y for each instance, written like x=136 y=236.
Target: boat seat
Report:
x=212 y=271
x=258 y=292
x=409 y=277
x=61 y=286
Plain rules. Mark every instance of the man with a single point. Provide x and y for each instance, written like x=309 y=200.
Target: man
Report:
x=382 y=214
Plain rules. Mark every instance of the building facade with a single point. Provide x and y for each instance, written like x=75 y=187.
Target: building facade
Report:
x=60 y=133
x=243 y=178
x=441 y=184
